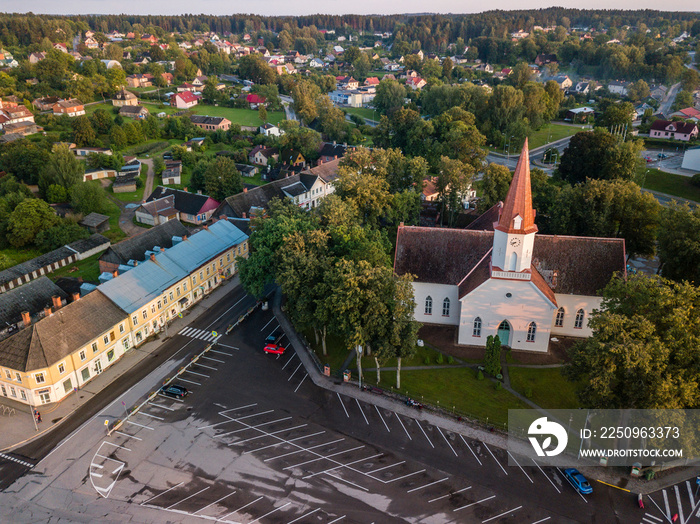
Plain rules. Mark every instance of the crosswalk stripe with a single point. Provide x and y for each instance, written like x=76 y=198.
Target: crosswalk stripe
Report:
x=653 y=517
x=182 y=331
x=201 y=336
x=187 y=331
x=208 y=338
x=668 y=508
x=690 y=494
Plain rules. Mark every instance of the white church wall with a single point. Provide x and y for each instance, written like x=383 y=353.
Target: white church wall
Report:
x=491 y=303
x=571 y=304
x=438 y=293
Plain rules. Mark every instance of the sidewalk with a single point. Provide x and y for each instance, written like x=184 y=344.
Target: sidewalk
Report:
x=19 y=428
x=491 y=438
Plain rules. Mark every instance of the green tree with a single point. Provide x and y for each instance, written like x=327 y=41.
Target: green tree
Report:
x=302 y=139
x=305 y=94
x=27 y=220
x=222 y=179
x=253 y=67
x=331 y=119
x=494 y=185
x=83 y=132
x=101 y=121
x=520 y=75
x=24 y=159
x=639 y=90
x=617 y=117
x=63 y=168
x=644 y=351
x=367 y=193
x=447 y=66
x=683 y=99
x=262 y=114
x=390 y=96
x=492 y=355
x=690 y=80
x=88 y=198
x=453 y=181
x=56 y=194
x=59 y=235
x=679 y=245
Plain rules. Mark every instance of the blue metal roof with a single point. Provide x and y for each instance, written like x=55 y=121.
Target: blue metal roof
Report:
x=145 y=282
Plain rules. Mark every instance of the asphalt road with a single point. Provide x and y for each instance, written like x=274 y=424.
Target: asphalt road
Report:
x=257 y=441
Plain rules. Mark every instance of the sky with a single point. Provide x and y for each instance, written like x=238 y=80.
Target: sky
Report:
x=303 y=7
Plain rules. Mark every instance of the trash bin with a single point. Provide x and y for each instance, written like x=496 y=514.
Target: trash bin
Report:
x=346 y=376
x=327 y=370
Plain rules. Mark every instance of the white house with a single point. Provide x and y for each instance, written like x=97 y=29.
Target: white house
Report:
x=268 y=129
x=501 y=278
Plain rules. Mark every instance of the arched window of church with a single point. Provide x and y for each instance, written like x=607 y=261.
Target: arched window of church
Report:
x=446 y=307
x=559 y=321
x=429 y=305
x=578 y=323
x=531 y=331
x=513 y=261
x=477 y=327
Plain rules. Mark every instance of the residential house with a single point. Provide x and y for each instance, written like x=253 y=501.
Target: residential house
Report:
x=346 y=82
x=125 y=183
x=316 y=183
x=330 y=152
x=194 y=208
x=15 y=276
x=291 y=157
x=46 y=103
x=171 y=280
x=673 y=130
x=579 y=88
x=415 y=82
x=316 y=63
x=200 y=81
x=61 y=47
x=185 y=86
x=255 y=100
x=37 y=57
x=15 y=115
x=140 y=80
x=618 y=88
x=246 y=170
x=168 y=77
x=157 y=211
x=151 y=39
x=33 y=299
x=519 y=35
x=132 y=250
x=268 y=129
x=72 y=108
x=172 y=173
x=45 y=360
x=21 y=128
x=261 y=155
x=95 y=223
x=99 y=173
x=564 y=81
x=133 y=112
x=640 y=109
x=372 y=81
x=430 y=193
x=211 y=123
x=125 y=98
x=85 y=151
x=689 y=113
x=658 y=92
x=545 y=58
x=184 y=100
x=579 y=115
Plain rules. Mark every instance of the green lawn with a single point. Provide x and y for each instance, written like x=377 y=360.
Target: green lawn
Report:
x=89 y=110
x=546 y=387
x=550 y=133
x=364 y=112
x=115 y=234
x=88 y=269
x=676 y=185
x=456 y=387
x=243 y=117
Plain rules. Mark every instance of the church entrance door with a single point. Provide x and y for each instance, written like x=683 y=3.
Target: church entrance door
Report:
x=504 y=333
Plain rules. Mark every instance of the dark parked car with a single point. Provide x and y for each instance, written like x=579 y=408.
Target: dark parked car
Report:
x=174 y=391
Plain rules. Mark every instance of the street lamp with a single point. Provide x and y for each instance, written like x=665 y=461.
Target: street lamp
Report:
x=511 y=137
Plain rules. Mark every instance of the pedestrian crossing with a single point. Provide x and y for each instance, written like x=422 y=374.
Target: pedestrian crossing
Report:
x=207 y=336
x=675 y=503
x=19 y=461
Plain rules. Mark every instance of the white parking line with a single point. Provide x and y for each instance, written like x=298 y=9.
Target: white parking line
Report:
x=401 y=478
x=162 y=493
x=494 y=458
x=268 y=435
x=187 y=498
x=385 y=467
x=473 y=503
x=220 y=435
x=268 y=323
x=449 y=494
x=668 y=517
x=139 y=425
x=505 y=513
x=303 y=516
x=680 y=504
x=116 y=446
x=161 y=406
x=239 y=509
x=448 y=442
x=207 y=367
x=221 y=352
x=546 y=476
x=363 y=459
x=297 y=369
x=347 y=481
x=341 y=403
x=325 y=457
x=93 y=474
x=427 y=485
x=195 y=373
x=404 y=427
x=652 y=517
x=270 y=513
x=470 y=449
x=170 y=398
x=668 y=509
x=188 y=381
x=337 y=520
x=225 y=346
x=543 y=520
x=290 y=359
x=299 y=450
x=127 y=435
x=380 y=416
x=96 y=466
x=149 y=415
x=215 y=502
x=690 y=494
x=424 y=434
x=521 y=469
x=214 y=359
x=361 y=411
x=300 y=383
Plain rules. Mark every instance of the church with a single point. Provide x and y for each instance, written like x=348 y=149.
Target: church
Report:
x=499 y=277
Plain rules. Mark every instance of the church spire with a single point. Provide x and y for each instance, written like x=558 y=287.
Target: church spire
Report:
x=518 y=215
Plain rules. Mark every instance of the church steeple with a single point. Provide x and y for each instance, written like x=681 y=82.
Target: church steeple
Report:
x=514 y=233
x=518 y=202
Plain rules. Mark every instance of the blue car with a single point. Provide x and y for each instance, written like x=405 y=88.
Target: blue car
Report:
x=578 y=481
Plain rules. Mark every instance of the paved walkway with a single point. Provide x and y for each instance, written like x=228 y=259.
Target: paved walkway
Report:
x=19 y=428
x=150 y=177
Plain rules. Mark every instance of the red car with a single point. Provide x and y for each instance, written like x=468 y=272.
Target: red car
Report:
x=277 y=349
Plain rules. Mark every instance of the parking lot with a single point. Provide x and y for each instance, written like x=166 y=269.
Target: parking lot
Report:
x=255 y=440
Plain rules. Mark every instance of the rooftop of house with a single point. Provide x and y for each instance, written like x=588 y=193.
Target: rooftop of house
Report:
x=33 y=297
x=94 y=220
x=185 y=202
x=678 y=127
x=135 y=248
x=208 y=120
x=161 y=206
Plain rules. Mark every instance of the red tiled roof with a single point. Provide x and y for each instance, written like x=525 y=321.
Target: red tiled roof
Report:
x=187 y=96
x=689 y=112
x=255 y=99
x=477 y=276
x=486 y=220
x=519 y=199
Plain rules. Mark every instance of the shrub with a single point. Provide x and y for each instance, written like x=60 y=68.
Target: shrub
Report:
x=479 y=375
x=439 y=358
x=450 y=360
x=426 y=361
x=499 y=385
x=695 y=180
x=528 y=393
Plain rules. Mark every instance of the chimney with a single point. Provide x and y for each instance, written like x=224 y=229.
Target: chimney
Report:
x=26 y=318
x=47 y=311
x=245 y=215
x=334 y=142
x=153 y=257
x=76 y=297
x=206 y=227
x=184 y=237
x=115 y=273
x=245 y=189
x=222 y=217
x=335 y=157
x=56 y=301
x=162 y=250
x=184 y=189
